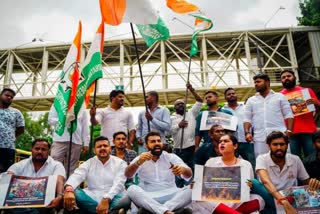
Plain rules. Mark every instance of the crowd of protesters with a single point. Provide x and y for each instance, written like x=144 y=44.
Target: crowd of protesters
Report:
x=275 y=140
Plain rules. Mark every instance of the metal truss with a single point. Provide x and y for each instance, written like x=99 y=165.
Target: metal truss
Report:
x=228 y=59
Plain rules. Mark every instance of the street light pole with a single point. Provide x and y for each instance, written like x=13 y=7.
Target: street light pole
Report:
x=280 y=8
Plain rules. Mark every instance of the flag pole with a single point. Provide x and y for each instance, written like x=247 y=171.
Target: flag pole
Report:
x=185 y=105
x=141 y=77
x=91 y=129
x=70 y=149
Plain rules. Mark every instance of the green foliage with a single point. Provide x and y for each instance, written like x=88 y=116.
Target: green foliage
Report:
x=33 y=129
x=310 y=10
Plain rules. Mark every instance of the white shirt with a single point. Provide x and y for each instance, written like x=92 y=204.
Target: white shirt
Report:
x=26 y=168
x=189 y=131
x=238 y=112
x=114 y=121
x=267 y=114
x=157 y=177
x=103 y=180
x=292 y=170
x=80 y=136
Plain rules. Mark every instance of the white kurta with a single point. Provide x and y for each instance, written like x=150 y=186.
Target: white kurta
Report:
x=103 y=180
x=157 y=190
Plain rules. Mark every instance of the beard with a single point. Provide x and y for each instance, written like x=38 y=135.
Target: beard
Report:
x=213 y=103
x=289 y=84
x=261 y=89
x=156 y=153
x=279 y=155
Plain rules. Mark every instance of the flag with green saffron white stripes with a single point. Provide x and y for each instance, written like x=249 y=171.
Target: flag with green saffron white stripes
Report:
x=202 y=23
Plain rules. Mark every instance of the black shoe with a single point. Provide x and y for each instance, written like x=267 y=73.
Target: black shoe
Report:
x=183 y=211
x=144 y=211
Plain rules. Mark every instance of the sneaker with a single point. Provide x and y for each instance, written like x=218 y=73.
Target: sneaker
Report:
x=183 y=211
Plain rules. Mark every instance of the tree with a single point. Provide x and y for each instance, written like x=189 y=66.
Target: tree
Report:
x=310 y=10
x=33 y=129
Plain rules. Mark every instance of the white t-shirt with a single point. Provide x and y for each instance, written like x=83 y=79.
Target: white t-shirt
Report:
x=293 y=169
x=113 y=121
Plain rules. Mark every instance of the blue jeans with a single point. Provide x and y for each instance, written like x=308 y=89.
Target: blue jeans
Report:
x=89 y=205
x=259 y=189
x=301 y=141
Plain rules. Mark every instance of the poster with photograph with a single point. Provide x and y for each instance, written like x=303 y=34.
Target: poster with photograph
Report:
x=23 y=192
x=297 y=100
x=210 y=118
x=221 y=184
x=303 y=199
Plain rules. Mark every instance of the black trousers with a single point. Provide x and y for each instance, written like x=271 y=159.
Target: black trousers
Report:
x=186 y=155
x=6 y=158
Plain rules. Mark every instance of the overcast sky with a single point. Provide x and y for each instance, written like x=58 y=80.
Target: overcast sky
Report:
x=56 y=21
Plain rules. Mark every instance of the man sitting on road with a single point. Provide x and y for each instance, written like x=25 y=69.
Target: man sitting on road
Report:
x=105 y=179
x=157 y=191
x=40 y=164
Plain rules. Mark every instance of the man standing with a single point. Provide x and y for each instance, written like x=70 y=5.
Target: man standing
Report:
x=279 y=170
x=209 y=150
x=158 y=118
x=11 y=126
x=178 y=124
x=245 y=149
x=211 y=98
x=40 y=164
x=105 y=179
x=301 y=133
x=266 y=111
x=114 y=118
x=156 y=169
x=80 y=140
x=312 y=162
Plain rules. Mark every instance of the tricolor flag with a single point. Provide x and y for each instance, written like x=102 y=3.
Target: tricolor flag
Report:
x=92 y=70
x=67 y=89
x=115 y=12
x=202 y=23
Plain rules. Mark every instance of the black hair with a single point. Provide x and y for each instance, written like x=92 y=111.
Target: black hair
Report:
x=115 y=93
x=154 y=94
x=285 y=71
x=262 y=76
x=228 y=89
x=150 y=134
x=99 y=139
x=8 y=89
x=213 y=127
x=276 y=135
x=211 y=92
x=40 y=140
x=117 y=133
x=315 y=136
